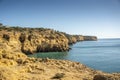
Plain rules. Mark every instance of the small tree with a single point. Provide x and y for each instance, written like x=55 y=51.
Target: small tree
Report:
x=1 y=24
x=6 y=36
x=22 y=38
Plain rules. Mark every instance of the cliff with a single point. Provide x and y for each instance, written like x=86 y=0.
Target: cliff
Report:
x=30 y=40
x=73 y=38
x=14 y=65
x=90 y=38
x=33 y=40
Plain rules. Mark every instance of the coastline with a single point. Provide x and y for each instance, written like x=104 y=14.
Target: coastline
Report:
x=33 y=40
x=15 y=42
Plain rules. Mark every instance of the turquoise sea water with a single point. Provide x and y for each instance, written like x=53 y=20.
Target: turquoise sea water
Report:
x=103 y=54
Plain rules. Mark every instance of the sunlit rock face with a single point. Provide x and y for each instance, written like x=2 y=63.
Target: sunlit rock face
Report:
x=31 y=40
x=74 y=38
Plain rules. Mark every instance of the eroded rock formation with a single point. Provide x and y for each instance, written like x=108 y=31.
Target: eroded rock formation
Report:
x=32 y=40
x=17 y=66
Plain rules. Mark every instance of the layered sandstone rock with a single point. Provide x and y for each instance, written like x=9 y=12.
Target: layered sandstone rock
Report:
x=30 y=40
x=17 y=66
x=33 y=40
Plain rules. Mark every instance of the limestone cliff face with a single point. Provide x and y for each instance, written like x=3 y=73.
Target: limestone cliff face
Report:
x=33 y=40
x=73 y=38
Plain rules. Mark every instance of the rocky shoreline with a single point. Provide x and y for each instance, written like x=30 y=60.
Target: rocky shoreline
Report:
x=15 y=42
x=17 y=66
x=33 y=40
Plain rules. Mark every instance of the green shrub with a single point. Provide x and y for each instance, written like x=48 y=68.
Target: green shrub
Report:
x=22 y=38
x=6 y=36
x=58 y=76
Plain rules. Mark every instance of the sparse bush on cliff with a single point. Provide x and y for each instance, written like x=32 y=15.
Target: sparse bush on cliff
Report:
x=105 y=77
x=9 y=29
x=22 y=38
x=30 y=37
x=6 y=37
x=40 y=48
x=17 y=28
x=51 y=37
x=30 y=31
x=2 y=27
x=58 y=76
x=1 y=24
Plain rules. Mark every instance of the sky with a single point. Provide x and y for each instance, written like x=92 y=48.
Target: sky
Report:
x=99 y=18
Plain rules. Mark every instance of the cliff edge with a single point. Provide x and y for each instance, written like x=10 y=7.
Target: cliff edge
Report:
x=33 y=40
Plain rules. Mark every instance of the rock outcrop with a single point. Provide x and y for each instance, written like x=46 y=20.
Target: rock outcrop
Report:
x=17 y=66
x=30 y=40
x=74 y=38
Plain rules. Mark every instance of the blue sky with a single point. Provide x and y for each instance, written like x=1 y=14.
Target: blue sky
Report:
x=87 y=17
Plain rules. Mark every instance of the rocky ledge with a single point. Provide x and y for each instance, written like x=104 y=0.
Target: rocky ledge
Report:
x=17 y=66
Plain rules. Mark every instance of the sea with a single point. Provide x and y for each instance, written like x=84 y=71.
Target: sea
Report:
x=103 y=54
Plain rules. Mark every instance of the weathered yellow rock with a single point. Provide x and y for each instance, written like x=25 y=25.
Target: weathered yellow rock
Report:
x=7 y=74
